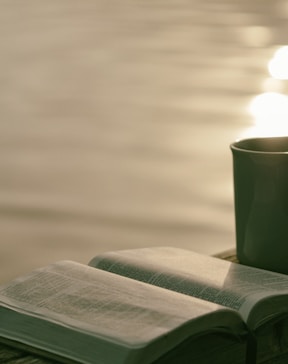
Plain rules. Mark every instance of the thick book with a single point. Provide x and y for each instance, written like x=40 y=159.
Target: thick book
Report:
x=152 y=305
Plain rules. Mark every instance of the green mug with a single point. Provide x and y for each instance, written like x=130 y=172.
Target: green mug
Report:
x=260 y=168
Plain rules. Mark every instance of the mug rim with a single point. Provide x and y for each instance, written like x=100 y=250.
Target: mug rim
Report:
x=239 y=145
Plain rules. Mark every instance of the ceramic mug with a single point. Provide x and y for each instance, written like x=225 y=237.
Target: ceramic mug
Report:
x=260 y=167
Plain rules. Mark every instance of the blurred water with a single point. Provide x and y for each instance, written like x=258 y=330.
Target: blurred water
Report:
x=116 y=120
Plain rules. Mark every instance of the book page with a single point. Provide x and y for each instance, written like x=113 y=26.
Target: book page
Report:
x=233 y=285
x=110 y=306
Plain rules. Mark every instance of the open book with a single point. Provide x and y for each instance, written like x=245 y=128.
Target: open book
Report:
x=150 y=305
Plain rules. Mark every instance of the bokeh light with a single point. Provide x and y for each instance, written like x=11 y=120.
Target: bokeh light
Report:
x=278 y=65
x=270 y=112
x=270 y=108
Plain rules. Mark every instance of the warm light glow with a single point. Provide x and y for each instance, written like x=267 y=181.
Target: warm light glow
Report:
x=270 y=111
x=271 y=84
x=278 y=66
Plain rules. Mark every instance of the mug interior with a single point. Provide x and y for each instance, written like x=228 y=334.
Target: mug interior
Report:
x=264 y=145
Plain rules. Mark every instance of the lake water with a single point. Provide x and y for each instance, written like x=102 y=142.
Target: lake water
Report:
x=116 y=120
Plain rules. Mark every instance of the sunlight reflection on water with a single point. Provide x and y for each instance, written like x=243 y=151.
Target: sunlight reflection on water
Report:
x=116 y=121
x=270 y=108
x=278 y=65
